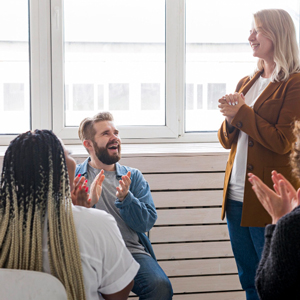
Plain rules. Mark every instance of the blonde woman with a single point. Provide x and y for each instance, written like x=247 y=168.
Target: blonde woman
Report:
x=258 y=131
x=41 y=230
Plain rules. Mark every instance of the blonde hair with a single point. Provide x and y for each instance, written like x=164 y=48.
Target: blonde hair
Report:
x=35 y=183
x=277 y=25
x=295 y=154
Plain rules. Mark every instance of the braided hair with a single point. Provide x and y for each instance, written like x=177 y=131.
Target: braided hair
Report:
x=35 y=188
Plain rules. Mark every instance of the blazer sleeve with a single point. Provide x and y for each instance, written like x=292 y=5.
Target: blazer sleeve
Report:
x=225 y=137
x=275 y=137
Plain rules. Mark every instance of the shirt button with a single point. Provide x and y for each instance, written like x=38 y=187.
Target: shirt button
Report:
x=239 y=124
x=250 y=167
x=251 y=143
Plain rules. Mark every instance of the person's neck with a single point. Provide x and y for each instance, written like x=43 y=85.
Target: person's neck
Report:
x=97 y=164
x=268 y=69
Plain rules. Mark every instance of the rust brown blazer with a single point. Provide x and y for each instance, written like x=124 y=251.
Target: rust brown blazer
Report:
x=269 y=127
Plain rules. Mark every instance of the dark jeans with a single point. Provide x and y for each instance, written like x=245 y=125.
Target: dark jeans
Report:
x=247 y=245
x=151 y=282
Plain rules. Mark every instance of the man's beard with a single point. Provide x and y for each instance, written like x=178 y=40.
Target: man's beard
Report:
x=103 y=155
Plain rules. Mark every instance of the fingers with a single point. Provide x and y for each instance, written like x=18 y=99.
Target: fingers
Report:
x=277 y=178
x=123 y=188
x=258 y=187
x=80 y=181
x=77 y=178
x=126 y=178
x=96 y=187
x=283 y=190
x=81 y=198
x=231 y=99
x=297 y=197
x=100 y=178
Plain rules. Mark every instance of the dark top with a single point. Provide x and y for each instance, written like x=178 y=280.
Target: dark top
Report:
x=278 y=273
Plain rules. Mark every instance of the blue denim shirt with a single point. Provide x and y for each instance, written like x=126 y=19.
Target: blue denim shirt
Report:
x=137 y=209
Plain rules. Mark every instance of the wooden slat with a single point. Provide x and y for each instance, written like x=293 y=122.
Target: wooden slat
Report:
x=212 y=296
x=185 y=181
x=189 y=233
x=187 y=198
x=208 y=296
x=165 y=164
x=192 y=250
x=189 y=216
x=205 y=284
x=199 y=267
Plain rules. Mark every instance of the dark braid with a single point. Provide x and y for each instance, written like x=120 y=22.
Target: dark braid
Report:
x=34 y=181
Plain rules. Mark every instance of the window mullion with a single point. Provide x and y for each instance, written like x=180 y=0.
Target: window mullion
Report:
x=175 y=48
x=40 y=65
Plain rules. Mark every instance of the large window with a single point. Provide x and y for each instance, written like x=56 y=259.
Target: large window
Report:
x=14 y=67
x=159 y=66
x=115 y=60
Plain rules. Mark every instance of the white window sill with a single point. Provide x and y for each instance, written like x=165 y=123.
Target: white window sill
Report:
x=153 y=149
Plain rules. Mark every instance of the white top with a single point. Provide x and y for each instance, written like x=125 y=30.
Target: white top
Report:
x=108 y=267
x=238 y=174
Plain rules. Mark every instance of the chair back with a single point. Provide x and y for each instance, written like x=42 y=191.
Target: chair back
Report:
x=30 y=285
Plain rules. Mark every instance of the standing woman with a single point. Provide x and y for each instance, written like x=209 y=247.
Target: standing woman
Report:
x=258 y=130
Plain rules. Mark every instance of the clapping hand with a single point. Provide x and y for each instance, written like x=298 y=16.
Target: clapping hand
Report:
x=123 y=188
x=277 y=203
x=230 y=104
x=96 y=188
x=79 y=194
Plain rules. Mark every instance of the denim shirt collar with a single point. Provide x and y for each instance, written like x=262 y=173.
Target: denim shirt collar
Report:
x=83 y=168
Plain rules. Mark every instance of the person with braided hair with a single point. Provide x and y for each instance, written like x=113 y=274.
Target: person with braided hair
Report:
x=41 y=230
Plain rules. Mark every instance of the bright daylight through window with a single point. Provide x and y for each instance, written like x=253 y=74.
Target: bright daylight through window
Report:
x=115 y=60
x=14 y=67
x=159 y=66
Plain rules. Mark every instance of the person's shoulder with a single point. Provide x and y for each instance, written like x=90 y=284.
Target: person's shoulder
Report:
x=295 y=77
x=82 y=168
x=91 y=216
x=242 y=82
x=245 y=79
x=124 y=169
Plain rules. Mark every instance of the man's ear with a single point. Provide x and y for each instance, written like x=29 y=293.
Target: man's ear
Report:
x=88 y=145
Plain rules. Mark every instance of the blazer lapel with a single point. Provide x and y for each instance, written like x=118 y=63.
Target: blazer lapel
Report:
x=267 y=92
x=248 y=85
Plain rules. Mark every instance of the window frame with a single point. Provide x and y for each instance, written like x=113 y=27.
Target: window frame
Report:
x=47 y=78
x=127 y=132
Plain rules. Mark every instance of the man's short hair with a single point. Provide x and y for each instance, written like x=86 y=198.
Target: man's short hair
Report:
x=86 y=129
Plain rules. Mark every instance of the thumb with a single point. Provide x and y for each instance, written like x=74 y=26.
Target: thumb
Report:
x=242 y=95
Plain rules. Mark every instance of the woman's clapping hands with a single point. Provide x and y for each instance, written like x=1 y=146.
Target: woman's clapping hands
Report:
x=230 y=104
